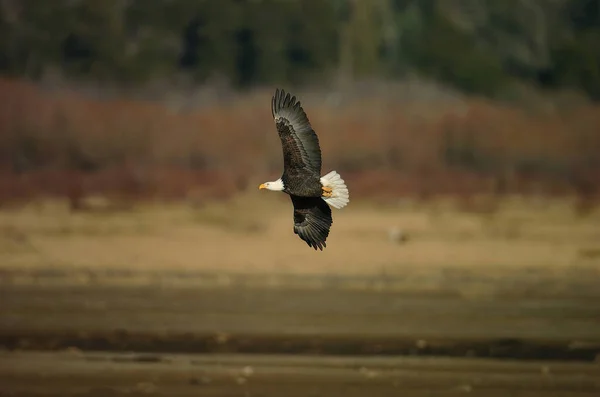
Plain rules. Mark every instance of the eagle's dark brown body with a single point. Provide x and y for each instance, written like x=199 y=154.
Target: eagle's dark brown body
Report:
x=302 y=170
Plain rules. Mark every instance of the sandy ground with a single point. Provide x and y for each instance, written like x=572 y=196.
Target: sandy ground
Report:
x=112 y=340
x=102 y=375
x=81 y=292
x=254 y=234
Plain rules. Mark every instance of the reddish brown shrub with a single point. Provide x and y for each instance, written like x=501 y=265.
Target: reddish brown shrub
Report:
x=67 y=144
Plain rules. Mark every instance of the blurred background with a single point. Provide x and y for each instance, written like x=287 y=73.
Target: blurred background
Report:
x=138 y=256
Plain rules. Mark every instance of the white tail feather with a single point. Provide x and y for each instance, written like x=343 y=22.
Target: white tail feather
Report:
x=339 y=195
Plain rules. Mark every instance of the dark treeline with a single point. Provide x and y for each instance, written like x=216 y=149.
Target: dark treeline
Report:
x=478 y=46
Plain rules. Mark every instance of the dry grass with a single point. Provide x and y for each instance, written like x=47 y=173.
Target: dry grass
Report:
x=253 y=233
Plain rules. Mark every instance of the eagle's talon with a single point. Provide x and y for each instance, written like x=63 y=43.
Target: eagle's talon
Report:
x=327 y=191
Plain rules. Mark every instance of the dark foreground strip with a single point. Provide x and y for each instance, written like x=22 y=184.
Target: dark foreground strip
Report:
x=124 y=341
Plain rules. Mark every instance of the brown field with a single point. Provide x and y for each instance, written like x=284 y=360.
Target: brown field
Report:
x=253 y=233
x=102 y=375
x=137 y=256
x=224 y=300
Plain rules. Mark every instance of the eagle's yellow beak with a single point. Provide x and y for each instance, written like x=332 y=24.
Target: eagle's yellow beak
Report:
x=262 y=186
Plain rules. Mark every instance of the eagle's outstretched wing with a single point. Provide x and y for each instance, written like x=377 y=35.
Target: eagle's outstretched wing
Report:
x=299 y=141
x=312 y=220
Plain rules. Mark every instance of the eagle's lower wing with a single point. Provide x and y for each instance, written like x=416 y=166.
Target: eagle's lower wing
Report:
x=312 y=220
x=299 y=141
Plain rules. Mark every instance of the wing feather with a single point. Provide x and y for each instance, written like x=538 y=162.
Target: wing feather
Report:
x=298 y=139
x=312 y=220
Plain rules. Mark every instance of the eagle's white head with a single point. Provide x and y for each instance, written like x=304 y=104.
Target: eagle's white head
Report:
x=274 y=185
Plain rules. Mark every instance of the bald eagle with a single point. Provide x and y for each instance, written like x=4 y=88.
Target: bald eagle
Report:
x=310 y=192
